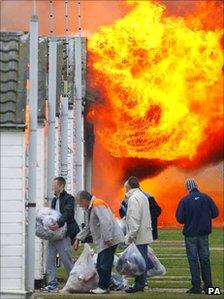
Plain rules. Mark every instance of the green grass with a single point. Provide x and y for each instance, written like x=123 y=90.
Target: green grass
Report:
x=145 y=295
x=170 y=234
x=216 y=238
x=174 y=267
x=179 y=267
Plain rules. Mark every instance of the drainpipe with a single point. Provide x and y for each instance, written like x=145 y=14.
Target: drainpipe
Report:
x=64 y=133
x=32 y=168
x=79 y=127
x=89 y=141
x=51 y=115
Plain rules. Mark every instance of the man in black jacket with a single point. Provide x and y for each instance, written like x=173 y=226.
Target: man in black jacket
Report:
x=155 y=211
x=196 y=211
x=64 y=203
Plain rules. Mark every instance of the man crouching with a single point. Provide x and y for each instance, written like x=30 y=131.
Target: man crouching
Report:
x=106 y=234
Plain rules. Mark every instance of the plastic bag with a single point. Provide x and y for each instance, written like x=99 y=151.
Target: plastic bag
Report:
x=116 y=258
x=95 y=255
x=154 y=267
x=122 y=224
x=46 y=217
x=131 y=262
x=118 y=282
x=83 y=276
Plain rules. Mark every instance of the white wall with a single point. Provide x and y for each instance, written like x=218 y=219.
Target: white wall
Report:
x=13 y=186
x=12 y=252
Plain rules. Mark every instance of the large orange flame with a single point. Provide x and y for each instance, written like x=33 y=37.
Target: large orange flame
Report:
x=158 y=82
x=161 y=82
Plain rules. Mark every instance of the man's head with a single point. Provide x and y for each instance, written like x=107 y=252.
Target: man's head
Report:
x=190 y=184
x=58 y=185
x=131 y=183
x=83 y=198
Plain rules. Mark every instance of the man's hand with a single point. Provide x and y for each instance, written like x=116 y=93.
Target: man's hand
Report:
x=128 y=240
x=109 y=243
x=54 y=226
x=76 y=244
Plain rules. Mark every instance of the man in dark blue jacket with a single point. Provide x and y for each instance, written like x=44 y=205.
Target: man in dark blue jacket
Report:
x=196 y=211
x=64 y=203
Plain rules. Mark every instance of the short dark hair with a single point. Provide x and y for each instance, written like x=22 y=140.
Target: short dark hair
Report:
x=133 y=182
x=61 y=180
x=84 y=195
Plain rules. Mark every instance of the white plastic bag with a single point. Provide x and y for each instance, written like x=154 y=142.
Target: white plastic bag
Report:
x=116 y=258
x=131 y=262
x=122 y=224
x=154 y=266
x=95 y=255
x=83 y=276
x=46 y=217
x=118 y=282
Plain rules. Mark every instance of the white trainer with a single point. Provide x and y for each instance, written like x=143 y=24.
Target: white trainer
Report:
x=99 y=291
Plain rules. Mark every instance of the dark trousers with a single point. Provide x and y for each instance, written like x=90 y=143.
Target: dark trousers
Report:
x=104 y=266
x=197 y=249
x=141 y=279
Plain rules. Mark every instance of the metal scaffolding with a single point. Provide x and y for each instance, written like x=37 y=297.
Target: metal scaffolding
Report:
x=33 y=103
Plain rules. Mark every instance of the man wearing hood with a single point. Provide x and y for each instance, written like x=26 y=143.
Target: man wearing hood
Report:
x=139 y=227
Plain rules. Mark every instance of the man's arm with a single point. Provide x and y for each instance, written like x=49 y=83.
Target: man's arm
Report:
x=155 y=209
x=104 y=216
x=68 y=212
x=84 y=233
x=81 y=236
x=213 y=208
x=180 y=213
x=133 y=219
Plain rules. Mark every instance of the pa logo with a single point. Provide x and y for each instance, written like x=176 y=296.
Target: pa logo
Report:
x=214 y=291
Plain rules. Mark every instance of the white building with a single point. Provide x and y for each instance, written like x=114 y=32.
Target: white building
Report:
x=14 y=151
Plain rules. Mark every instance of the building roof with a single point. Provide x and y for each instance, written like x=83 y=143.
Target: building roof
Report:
x=14 y=73
x=13 y=69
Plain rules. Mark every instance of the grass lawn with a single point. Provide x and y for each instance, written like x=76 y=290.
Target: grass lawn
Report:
x=144 y=295
x=171 y=252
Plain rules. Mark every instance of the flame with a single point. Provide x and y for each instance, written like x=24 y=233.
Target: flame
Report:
x=157 y=81
x=160 y=80
x=156 y=74
x=210 y=181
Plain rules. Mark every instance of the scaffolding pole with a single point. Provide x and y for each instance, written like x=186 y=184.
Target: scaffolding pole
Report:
x=32 y=168
x=64 y=137
x=79 y=126
x=51 y=115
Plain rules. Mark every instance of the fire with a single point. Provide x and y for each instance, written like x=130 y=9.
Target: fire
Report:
x=160 y=78
x=157 y=80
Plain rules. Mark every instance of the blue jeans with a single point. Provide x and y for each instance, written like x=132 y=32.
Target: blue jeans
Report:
x=141 y=279
x=197 y=249
x=104 y=266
